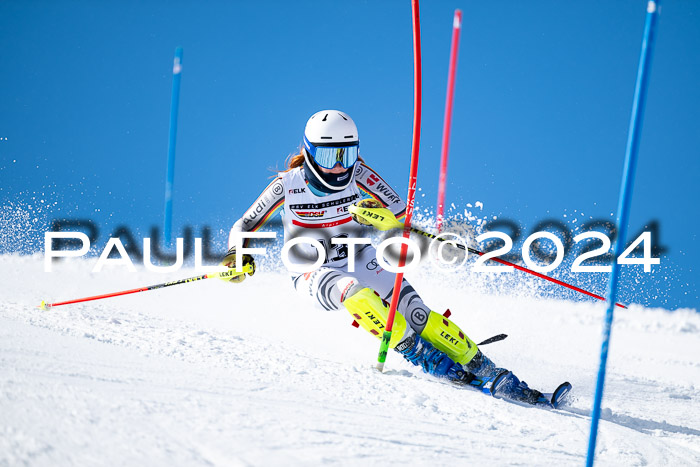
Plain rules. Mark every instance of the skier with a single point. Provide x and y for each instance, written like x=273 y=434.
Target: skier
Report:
x=320 y=183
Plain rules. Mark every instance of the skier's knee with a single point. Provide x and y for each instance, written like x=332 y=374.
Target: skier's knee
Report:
x=449 y=338
x=369 y=310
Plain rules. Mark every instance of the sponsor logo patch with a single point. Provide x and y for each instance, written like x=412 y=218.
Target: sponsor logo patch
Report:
x=255 y=212
x=327 y=204
x=419 y=316
x=310 y=213
x=277 y=188
x=406 y=344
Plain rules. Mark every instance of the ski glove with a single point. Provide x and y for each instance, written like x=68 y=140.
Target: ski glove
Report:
x=366 y=203
x=230 y=262
x=370 y=212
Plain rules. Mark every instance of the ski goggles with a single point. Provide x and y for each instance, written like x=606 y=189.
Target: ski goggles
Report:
x=328 y=156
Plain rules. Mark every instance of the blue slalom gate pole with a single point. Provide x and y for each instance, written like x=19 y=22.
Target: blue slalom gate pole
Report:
x=170 y=174
x=623 y=209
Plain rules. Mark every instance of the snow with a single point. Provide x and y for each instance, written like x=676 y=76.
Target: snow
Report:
x=210 y=373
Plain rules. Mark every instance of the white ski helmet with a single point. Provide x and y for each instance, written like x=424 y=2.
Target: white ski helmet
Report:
x=331 y=126
x=330 y=138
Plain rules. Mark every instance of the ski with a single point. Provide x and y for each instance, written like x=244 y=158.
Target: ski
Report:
x=559 y=396
x=554 y=400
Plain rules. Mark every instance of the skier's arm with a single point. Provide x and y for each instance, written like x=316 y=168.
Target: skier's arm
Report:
x=268 y=203
x=372 y=185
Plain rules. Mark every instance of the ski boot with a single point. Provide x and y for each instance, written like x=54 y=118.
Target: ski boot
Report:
x=506 y=385
x=422 y=353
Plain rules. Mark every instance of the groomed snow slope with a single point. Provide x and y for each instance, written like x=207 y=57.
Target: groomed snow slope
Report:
x=211 y=373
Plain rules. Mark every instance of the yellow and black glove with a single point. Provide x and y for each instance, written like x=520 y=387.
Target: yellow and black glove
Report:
x=370 y=212
x=230 y=262
x=365 y=203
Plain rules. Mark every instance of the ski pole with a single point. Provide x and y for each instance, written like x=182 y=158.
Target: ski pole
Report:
x=225 y=275
x=493 y=339
x=388 y=221
x=519 y=268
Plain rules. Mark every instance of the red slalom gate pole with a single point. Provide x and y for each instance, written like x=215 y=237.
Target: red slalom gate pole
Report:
x=412 y=182
x=447 y=125
x=218 y=275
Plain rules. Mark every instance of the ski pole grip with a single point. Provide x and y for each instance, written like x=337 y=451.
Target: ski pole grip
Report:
x=226 y=275
x=380 y=218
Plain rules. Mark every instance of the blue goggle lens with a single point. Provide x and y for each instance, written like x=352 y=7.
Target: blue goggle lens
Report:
x=328 y=156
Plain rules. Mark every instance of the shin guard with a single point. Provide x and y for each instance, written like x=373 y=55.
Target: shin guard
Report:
x=371 y=312
x=447 y=337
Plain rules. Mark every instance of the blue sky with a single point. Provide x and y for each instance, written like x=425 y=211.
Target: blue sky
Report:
x=542 y=104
